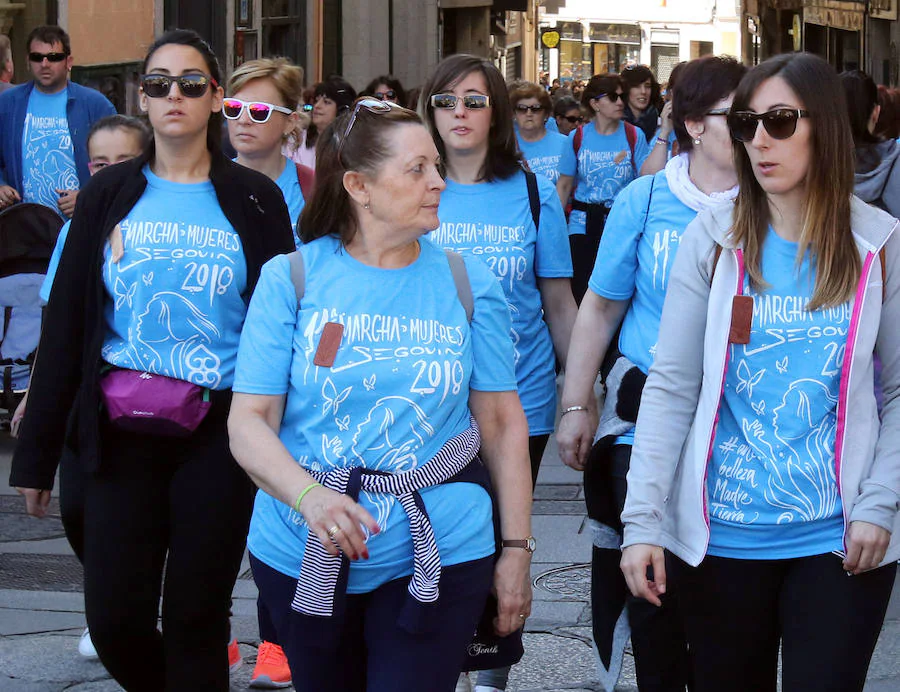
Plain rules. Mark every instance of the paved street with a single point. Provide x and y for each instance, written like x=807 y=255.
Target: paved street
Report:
x=42 y=608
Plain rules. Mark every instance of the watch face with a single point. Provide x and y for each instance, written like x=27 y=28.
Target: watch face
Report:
x=531 y=544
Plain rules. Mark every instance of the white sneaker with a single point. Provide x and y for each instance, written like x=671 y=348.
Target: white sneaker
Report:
x=463 y=684
x=485 y=688
x=86 y=646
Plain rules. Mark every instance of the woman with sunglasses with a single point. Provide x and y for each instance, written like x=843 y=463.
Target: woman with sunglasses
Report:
x=263 y=120
x=330 y=98
x=488 y=210
x=759 y=458
x=567 y=115
x=541 y=148
x=151 y=291
x=356 y=410
x=627 y=289
x=386 y=88
x=601 y=159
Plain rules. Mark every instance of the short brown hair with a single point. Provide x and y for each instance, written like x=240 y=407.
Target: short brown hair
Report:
x=519 y=91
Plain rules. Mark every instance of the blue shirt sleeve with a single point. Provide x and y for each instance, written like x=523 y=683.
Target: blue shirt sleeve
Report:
x=266 y=348
x=493 y=359
x=552 y=256
x=616 y=266
x=568 y=164
x=54 y=262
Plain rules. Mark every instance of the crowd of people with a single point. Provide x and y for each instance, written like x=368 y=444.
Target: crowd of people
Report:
x=338 y=345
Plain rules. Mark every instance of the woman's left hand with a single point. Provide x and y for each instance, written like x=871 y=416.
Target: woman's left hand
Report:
x=866 y=546
x=512 y=586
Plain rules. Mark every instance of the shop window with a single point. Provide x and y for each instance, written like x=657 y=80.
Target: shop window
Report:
x=284 y=29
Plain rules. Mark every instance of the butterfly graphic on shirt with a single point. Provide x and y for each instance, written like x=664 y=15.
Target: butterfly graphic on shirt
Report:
x=747 y=380
x=333 y=398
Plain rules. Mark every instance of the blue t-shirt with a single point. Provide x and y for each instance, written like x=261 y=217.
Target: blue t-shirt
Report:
x=54 y=261
x=289 y=184
x=552 y=126
x=771 y=485
x=634 y=261
x=603 y=168
x=48 y=159
x=397 y=392
x=493 y=221
x=544 y=155
x=175 y=303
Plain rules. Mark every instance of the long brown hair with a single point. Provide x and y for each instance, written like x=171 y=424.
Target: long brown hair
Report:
x=826 y=215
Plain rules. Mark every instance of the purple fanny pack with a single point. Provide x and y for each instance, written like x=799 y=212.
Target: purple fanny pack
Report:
x=153 y=404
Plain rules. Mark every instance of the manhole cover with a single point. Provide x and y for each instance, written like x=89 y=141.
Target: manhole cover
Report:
x=41 y=572
x=572 y=582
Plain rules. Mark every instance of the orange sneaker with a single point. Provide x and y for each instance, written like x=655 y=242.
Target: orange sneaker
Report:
x=271 y=671
x=235 y=660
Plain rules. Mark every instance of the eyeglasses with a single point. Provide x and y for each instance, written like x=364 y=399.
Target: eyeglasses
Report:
x=613 y=96
x=523 y=108
x=719 y=111
x=192 y=86
x=472 y=102
x=259 y=111
x=307 y=107
x=385 y=95
x=573 y=119
x=51 y=57
x=779 y=123
x=371 y=105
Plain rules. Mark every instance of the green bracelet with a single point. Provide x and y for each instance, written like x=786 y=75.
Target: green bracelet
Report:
x=303 y=494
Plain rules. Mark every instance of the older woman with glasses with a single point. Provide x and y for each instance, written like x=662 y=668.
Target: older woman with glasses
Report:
x=541 y=148
x=375 y=423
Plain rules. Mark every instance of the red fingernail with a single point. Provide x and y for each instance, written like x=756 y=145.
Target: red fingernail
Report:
x=354 y=556
x=365 y=555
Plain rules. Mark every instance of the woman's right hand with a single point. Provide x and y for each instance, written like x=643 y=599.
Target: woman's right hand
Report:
x=326 y=510
x=574 y=437
x=635 y=561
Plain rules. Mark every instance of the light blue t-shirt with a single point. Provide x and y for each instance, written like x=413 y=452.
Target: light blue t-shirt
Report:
x=544 y=155
x=603 y=168
x=771 y=485
x=493 y=221
x=48 y=159
x=552 y=126
x=634 y=261
x=175 y=303
x=397 y=392
x=54 y=261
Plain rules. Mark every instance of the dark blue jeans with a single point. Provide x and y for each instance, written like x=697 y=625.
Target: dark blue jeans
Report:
x=373 y=653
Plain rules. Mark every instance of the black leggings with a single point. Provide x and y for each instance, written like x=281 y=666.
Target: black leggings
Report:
x=536 y=446
x=737 y=612
x=71 y=501
x=180 y=503
x=657 y=636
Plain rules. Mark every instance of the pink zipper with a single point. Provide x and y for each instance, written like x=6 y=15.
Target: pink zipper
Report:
x=844 y=391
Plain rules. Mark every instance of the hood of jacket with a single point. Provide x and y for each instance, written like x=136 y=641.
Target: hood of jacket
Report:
x=869 y=186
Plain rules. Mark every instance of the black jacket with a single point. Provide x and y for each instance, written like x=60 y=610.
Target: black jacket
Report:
x=64 y=395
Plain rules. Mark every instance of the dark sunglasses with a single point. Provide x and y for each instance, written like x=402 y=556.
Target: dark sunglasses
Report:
x=470 y=101
x=307 y=107
x=51 y=57
x=573 y=119
x=613 y=96
x=259 y=111
x=192 y=86
x=384 y=95
x=522 y=108
x=370 y=104
x=779 y=123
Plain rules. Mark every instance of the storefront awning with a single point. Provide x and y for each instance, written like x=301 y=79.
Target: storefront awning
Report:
x=837 y=14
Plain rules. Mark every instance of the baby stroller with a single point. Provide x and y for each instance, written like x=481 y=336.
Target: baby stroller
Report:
x=27 y=237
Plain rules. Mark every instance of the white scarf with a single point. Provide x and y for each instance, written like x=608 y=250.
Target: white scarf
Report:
x=690 y=195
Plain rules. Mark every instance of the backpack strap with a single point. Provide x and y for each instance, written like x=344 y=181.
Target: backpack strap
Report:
x=576 y=140
x=306 y=176
x=534 y=198
x=298 y=274
x=882 y=256
x=631 y=136
x=461 y=281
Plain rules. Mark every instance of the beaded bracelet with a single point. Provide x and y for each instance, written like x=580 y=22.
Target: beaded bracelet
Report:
x=303 y=494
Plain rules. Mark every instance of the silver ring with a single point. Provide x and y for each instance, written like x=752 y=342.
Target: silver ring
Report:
x=334 y=531
x=522 y=616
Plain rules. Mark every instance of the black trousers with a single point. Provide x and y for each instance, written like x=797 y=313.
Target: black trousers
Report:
x=180 y=503
x=584 y=250
x=657 y=635
x=737 y=612
x=71 y=502
x=536 y=446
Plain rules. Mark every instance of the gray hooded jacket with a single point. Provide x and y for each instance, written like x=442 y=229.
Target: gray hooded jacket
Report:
x=882 y=183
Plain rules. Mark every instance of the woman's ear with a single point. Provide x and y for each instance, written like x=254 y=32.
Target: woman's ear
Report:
x=694 y=128
x=357 y=186
x=873 y=119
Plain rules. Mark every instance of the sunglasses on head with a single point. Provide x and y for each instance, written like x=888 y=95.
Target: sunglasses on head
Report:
x=192 y=86
x=384 y=95
x=522 y=108
x=51 y=57
x=370 y=104
x=259 y=111
x=470 y=101
x=779 y=123
x=612 y=96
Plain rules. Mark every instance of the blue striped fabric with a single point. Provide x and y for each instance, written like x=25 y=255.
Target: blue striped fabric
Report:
x=319 y=571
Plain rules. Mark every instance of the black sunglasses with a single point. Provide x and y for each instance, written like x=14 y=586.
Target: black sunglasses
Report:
x=613 y=96
x=384 y=95
x=51 y=57
x=573 y=119
x=523 y=108
x=192 y=86
x=779 y=123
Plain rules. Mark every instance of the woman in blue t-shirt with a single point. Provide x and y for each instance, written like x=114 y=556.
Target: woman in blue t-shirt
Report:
x=540 y=147
x=627 y=289
x=262 y=120
x=603 y=156
x=759 y=460
x=489 y=210
x=369 y=361
x=134 y=376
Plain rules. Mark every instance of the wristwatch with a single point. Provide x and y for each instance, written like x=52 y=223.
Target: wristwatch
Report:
x=528 y=544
